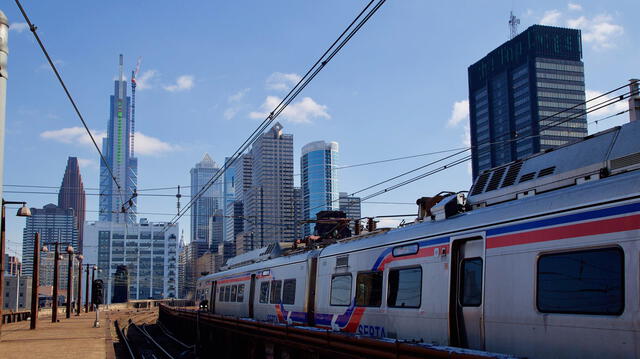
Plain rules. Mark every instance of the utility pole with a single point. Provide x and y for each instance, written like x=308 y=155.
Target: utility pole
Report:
x=86 y=292
x=54 y=303
x=35 y=281
x=69 y=281
x=4 y=52
x=261 y=217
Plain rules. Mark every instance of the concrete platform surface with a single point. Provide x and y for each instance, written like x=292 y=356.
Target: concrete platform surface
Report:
x=69 y=338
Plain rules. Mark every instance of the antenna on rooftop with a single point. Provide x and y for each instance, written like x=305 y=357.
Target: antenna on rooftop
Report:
x=513 y=25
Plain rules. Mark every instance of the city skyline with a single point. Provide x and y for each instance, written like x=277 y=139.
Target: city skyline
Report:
x=598 y=56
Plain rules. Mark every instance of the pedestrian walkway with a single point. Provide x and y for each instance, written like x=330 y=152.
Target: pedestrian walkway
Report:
x=69 y=338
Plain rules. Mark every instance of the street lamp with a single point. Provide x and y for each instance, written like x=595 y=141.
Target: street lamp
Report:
x=54 y=305
x=86 y=290
x=23 y=211
x=35 y=280
x=79 y=308
x=93 y=278
x=69 y=280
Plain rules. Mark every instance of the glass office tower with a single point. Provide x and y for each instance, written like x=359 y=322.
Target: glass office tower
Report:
x=318 y=166
x=517 y=91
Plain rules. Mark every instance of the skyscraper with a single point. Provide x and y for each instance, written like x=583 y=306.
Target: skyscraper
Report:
x=240 y=181
x=351 y=206
x=72 y=195
x=318 y=166
x=269 y=207
x=516 y=91
x=208 y=202
x=54 y=225
x=117 y=149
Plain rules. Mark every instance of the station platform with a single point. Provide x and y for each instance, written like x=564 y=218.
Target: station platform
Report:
x=69 y=338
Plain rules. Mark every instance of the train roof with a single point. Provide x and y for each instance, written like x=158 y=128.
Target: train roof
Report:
x=255 y=267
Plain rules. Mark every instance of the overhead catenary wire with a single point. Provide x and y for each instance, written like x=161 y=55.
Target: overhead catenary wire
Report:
x=326 y=57
x=33 y=30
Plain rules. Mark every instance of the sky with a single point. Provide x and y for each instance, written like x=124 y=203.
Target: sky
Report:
x=212 y=69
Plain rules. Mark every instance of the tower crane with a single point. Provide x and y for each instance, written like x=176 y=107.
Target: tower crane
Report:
x=134 y=73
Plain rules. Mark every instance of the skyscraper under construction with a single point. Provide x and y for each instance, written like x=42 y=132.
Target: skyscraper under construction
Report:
x=117 y=186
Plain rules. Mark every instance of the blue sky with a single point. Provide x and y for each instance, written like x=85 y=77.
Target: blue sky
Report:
x=210 y=69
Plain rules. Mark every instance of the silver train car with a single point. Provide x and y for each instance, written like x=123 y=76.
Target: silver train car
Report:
x=540 y=260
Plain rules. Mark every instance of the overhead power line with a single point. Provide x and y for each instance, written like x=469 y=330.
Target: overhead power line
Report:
x=33 y=29
x=326 y=57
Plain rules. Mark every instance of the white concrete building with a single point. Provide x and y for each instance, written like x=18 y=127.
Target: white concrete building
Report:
x=149 y=252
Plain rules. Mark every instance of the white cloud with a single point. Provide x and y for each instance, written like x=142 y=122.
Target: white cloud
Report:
x=282 y=82
x=238 y=96
x=144 y=145
x=151 y=146
x=87 y=163
x=302 y=111
x=183 y=83
x=599 y=31
x=459 y=113
x=551 y=17
x=18 y=26
x=235 y=104
x=574 y=7
x=605 y=111
x=73 y=135
x=143 y=82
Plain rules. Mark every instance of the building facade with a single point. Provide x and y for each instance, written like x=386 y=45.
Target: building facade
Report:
x=318 y=166
x=12 y=265
x=192 y=252
x=269 y=206
x=351 y=206
x=72 y=195
x=211 y=200
x=298 y=215
x=517 y=91
x=117 y=149
x=55 y=225
x=17 y=293
x=148 y=250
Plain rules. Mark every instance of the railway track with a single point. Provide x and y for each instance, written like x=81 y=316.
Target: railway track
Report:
x=142 y=338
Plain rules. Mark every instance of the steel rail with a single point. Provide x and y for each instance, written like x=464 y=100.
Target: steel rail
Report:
x=146 y=334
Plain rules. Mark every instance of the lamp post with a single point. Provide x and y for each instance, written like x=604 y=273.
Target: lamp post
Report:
x=86 y=291
x=54 y=303
x=79 y=307
x=22 y=212
x=35 y=280
x=93 y=278
x=69 y=280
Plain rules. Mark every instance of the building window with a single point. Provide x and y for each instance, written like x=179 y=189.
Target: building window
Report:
x=369 y=289
x=582 y=282
x=289 y=291
x=276 y=291
x=264 y=292
x=341 y=289
x=405 y=288
x=471 y=283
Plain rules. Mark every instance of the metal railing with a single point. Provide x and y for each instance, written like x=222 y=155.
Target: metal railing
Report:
x=12 y=317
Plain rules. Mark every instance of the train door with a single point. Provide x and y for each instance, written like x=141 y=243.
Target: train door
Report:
x=252 y=294
x=212 y=297
x=466 y=307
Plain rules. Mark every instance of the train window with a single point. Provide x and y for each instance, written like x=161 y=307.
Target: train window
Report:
x=405 y=288
x=471 y=282
x=240 y=296
x=583 y=282
x=221 y=297
x=264 y=292
x=227 y=293
x=276 y=291
x=341 y=289
x=234 y=291
x=289 y=291
x=369 y=289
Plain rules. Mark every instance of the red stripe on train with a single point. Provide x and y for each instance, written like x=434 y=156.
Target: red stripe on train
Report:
x=612 y=225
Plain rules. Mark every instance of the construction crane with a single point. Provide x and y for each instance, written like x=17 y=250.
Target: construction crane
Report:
x=134 y=73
